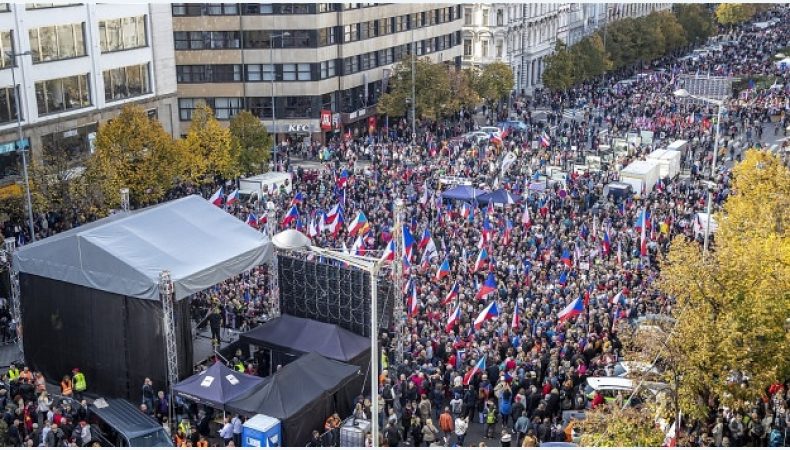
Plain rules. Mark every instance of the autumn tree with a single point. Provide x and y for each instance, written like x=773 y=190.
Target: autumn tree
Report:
x=464 y=96
x=590 y=58
x=560 y=72
x=252 y=142
x=208 y=150
x=734 y=13
x=732 y=304
x=494 y=81
x=671 y=29
x=132 y=151
x=432 y=88
x=696 y=21
x=613 y=426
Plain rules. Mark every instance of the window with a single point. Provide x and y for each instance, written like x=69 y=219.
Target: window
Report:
x=209 y=73
x=126 y=82
x=467 y=16
x=296 y=39
x=365 y=63
x=304 y=72
x=327 y=69
x=485 y=17
x=223 y=39
x=221 y=9
x=467 y=47
x=7 y=105
x=484 y=48
x=260 y=107
x=366 y=30
x=295 y=107
x=122 y=34
x=199 y=40
x=499 y=46
x=350 y=33
x=47 y=5
x=62 y=94
x=6 y=49
x=5 y=7
x=224 y=107
x=257 y=8
x=386 y=56
x=385 y=27
x=327 y=36
x=289 y=72
x=500 y=17
x=187 y=9
x=328 y=7
x=260 y=72
x=400 y=23
x=350 y=65
x=57 y=42
x=294 y=8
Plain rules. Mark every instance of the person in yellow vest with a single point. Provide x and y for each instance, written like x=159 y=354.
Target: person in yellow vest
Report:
x=13 y=373
x=238 y=366
x=80 y=385
x=66 y=386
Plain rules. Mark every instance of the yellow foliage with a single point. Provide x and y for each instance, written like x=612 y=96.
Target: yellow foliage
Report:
x=610 y=426
x=207 y=149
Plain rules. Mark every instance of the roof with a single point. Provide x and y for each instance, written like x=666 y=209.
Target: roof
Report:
x=122 y=415
x=640 y=168
x=200 y=244
x=306 y=335
x=217 y=385
x=467 y=193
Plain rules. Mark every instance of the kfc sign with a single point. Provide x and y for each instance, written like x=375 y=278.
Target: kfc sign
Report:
x=295 y=128
x=326 y=120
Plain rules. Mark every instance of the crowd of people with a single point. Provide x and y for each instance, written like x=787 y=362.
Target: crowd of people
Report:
x=513 y=374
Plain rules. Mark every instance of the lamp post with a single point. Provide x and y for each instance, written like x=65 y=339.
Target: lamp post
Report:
x=413 y=95
x=274 y=75
x=19 y=143
x=682 y=93
x=296 y=241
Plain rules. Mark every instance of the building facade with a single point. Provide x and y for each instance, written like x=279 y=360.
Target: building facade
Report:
x=324 y=65
x=73 y=67
x=524 y=34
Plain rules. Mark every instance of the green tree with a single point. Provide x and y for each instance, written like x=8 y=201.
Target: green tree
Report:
x=432 y=88
x=252 y=141
x=672 y=30
x=612 y=426
x=696 y=21
x=135 y=152
x=463 y=93
x=591 y=59
x=494 y=82
x=208 y=150
x=734 y=13
x=621 y=42
x=560 y=72
x=732 y=305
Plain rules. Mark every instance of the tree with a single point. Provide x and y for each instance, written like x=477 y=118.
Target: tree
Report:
x=591 y=58
x=734 y=13
x=432 y=88
x=464 y=95
x=132 y=151
x=672 y=30
x=696 y=21
x=612 y=426
x=494 y=82
x=207 y=150
x=251 y=141
x=732 y=305
x=560 y=72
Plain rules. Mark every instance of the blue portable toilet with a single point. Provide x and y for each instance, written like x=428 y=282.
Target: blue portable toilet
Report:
x=261 y=431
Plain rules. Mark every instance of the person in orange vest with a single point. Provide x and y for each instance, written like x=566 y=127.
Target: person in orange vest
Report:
x=332 y=425
x=26 y=375
x=202 y=442
x=66 y=386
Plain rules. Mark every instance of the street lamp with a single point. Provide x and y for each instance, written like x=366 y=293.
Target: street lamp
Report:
x=274 y=111
x=19 y=143
x=413 y=95
x=293 y=240
x=682 y=93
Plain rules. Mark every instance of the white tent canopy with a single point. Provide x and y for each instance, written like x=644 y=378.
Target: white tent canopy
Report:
x=200 y=244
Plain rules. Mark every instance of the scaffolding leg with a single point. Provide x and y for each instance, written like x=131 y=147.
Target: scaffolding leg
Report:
x=9 y=247
x=166 y=295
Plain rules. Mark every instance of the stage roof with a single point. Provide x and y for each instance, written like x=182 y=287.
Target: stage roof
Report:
x=200 y=244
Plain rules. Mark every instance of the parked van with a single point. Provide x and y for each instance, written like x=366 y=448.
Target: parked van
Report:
x=256 y=187
x=117 y=423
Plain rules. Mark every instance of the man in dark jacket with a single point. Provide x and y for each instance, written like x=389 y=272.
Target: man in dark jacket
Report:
x=55 y=437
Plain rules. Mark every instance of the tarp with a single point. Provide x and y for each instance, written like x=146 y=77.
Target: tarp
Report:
x=302 y=395
x=217 y=385
x=500 y=196
x=465 y=193
x=295 y=334
x=200 y=244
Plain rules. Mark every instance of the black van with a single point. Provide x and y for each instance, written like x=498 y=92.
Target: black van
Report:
x=117 y=423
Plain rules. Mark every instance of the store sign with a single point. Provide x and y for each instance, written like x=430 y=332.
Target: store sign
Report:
x=296 y=128
x=326 y=120
x=10 y=147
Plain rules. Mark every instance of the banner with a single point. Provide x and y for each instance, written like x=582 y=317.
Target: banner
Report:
x=326 y=120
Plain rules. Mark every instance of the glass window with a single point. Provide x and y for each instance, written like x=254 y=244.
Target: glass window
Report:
x=186 y=106
x=62 y=94
x=260 y=72
x=289 y=72
x=260 y=107
x=6 y=49
x=304 y=72
x=57 y=42
x=467 y=47
x=128 y=33
x=351 y=65
x=327 y=69
x=222 y=9
x=297 y=39
x=484 y=48
x=499 y=46
x=227 y=107
x=126 y=82
x=485 y=17
x=257 y=8
x=294 y=107
x=5 y=7
x=257 y=39
x=350 y=33
x=467 y=16
x=7 y=105
x=47 y=5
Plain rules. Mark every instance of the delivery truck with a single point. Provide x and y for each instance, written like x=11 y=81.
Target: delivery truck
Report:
x=641 y=175
x=668 y=162
x=679 y=145
x=256 y=187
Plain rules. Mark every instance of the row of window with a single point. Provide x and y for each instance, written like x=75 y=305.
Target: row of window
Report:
x=234 y=9
x=122 y=34
x=229 y=73
x=264 y=39
x=261 y=107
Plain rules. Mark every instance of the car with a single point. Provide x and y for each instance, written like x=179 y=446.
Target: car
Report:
x=117 y=423
x=491 y=131
x=610 y=387
x=623 y=369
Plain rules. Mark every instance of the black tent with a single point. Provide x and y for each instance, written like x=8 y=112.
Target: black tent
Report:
x=217 y=385
x=288 y=337
x=302 y=395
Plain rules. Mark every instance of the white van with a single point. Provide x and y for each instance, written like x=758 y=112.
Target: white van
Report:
x=256 y=187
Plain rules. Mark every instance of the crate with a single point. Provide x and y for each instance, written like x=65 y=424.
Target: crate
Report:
x=352 y=434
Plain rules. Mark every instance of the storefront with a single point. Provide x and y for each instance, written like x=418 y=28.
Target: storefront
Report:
x=76 y=144
x=10 y=163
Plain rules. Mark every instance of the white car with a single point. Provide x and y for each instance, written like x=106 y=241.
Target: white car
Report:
x=491 y=131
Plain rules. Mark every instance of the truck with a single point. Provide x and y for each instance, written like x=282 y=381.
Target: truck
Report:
x=641 y=175
x=679 y=145
x=668 y=162
x=256 y=187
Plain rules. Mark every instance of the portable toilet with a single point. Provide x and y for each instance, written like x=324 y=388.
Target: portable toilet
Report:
x=261 y=431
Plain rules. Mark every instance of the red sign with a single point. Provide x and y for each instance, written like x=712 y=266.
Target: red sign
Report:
x=371 y=124
x=326 y=119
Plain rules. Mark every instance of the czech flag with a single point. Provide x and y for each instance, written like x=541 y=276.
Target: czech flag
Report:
x=486 y=230
x=358 y=247
x=454 y=319
x=312 y=229
x=508 y=230
x=252 y=220
x=408 y=243
x=643 y=220
x=342 y=180
x=452 y=295
x=514 y=324
x=233 y=197
x=389 y=251
x=216 y=199
x=488 y=287
x=444 y=270
x=607 y=245
x=566 y=258
x=489 y=312
x=563 y=280
x=426 y=237
x=490 y=208
x=332 y=214
x=574 y=308
x=359 y=225
x=334 y=226
x=466 y=209
x=525 y=219
x=479 y=367
x=618 y=299
x=545 y=141
x=292 y=215
x=482 y=258
x=412 y=305
x=298 y=199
